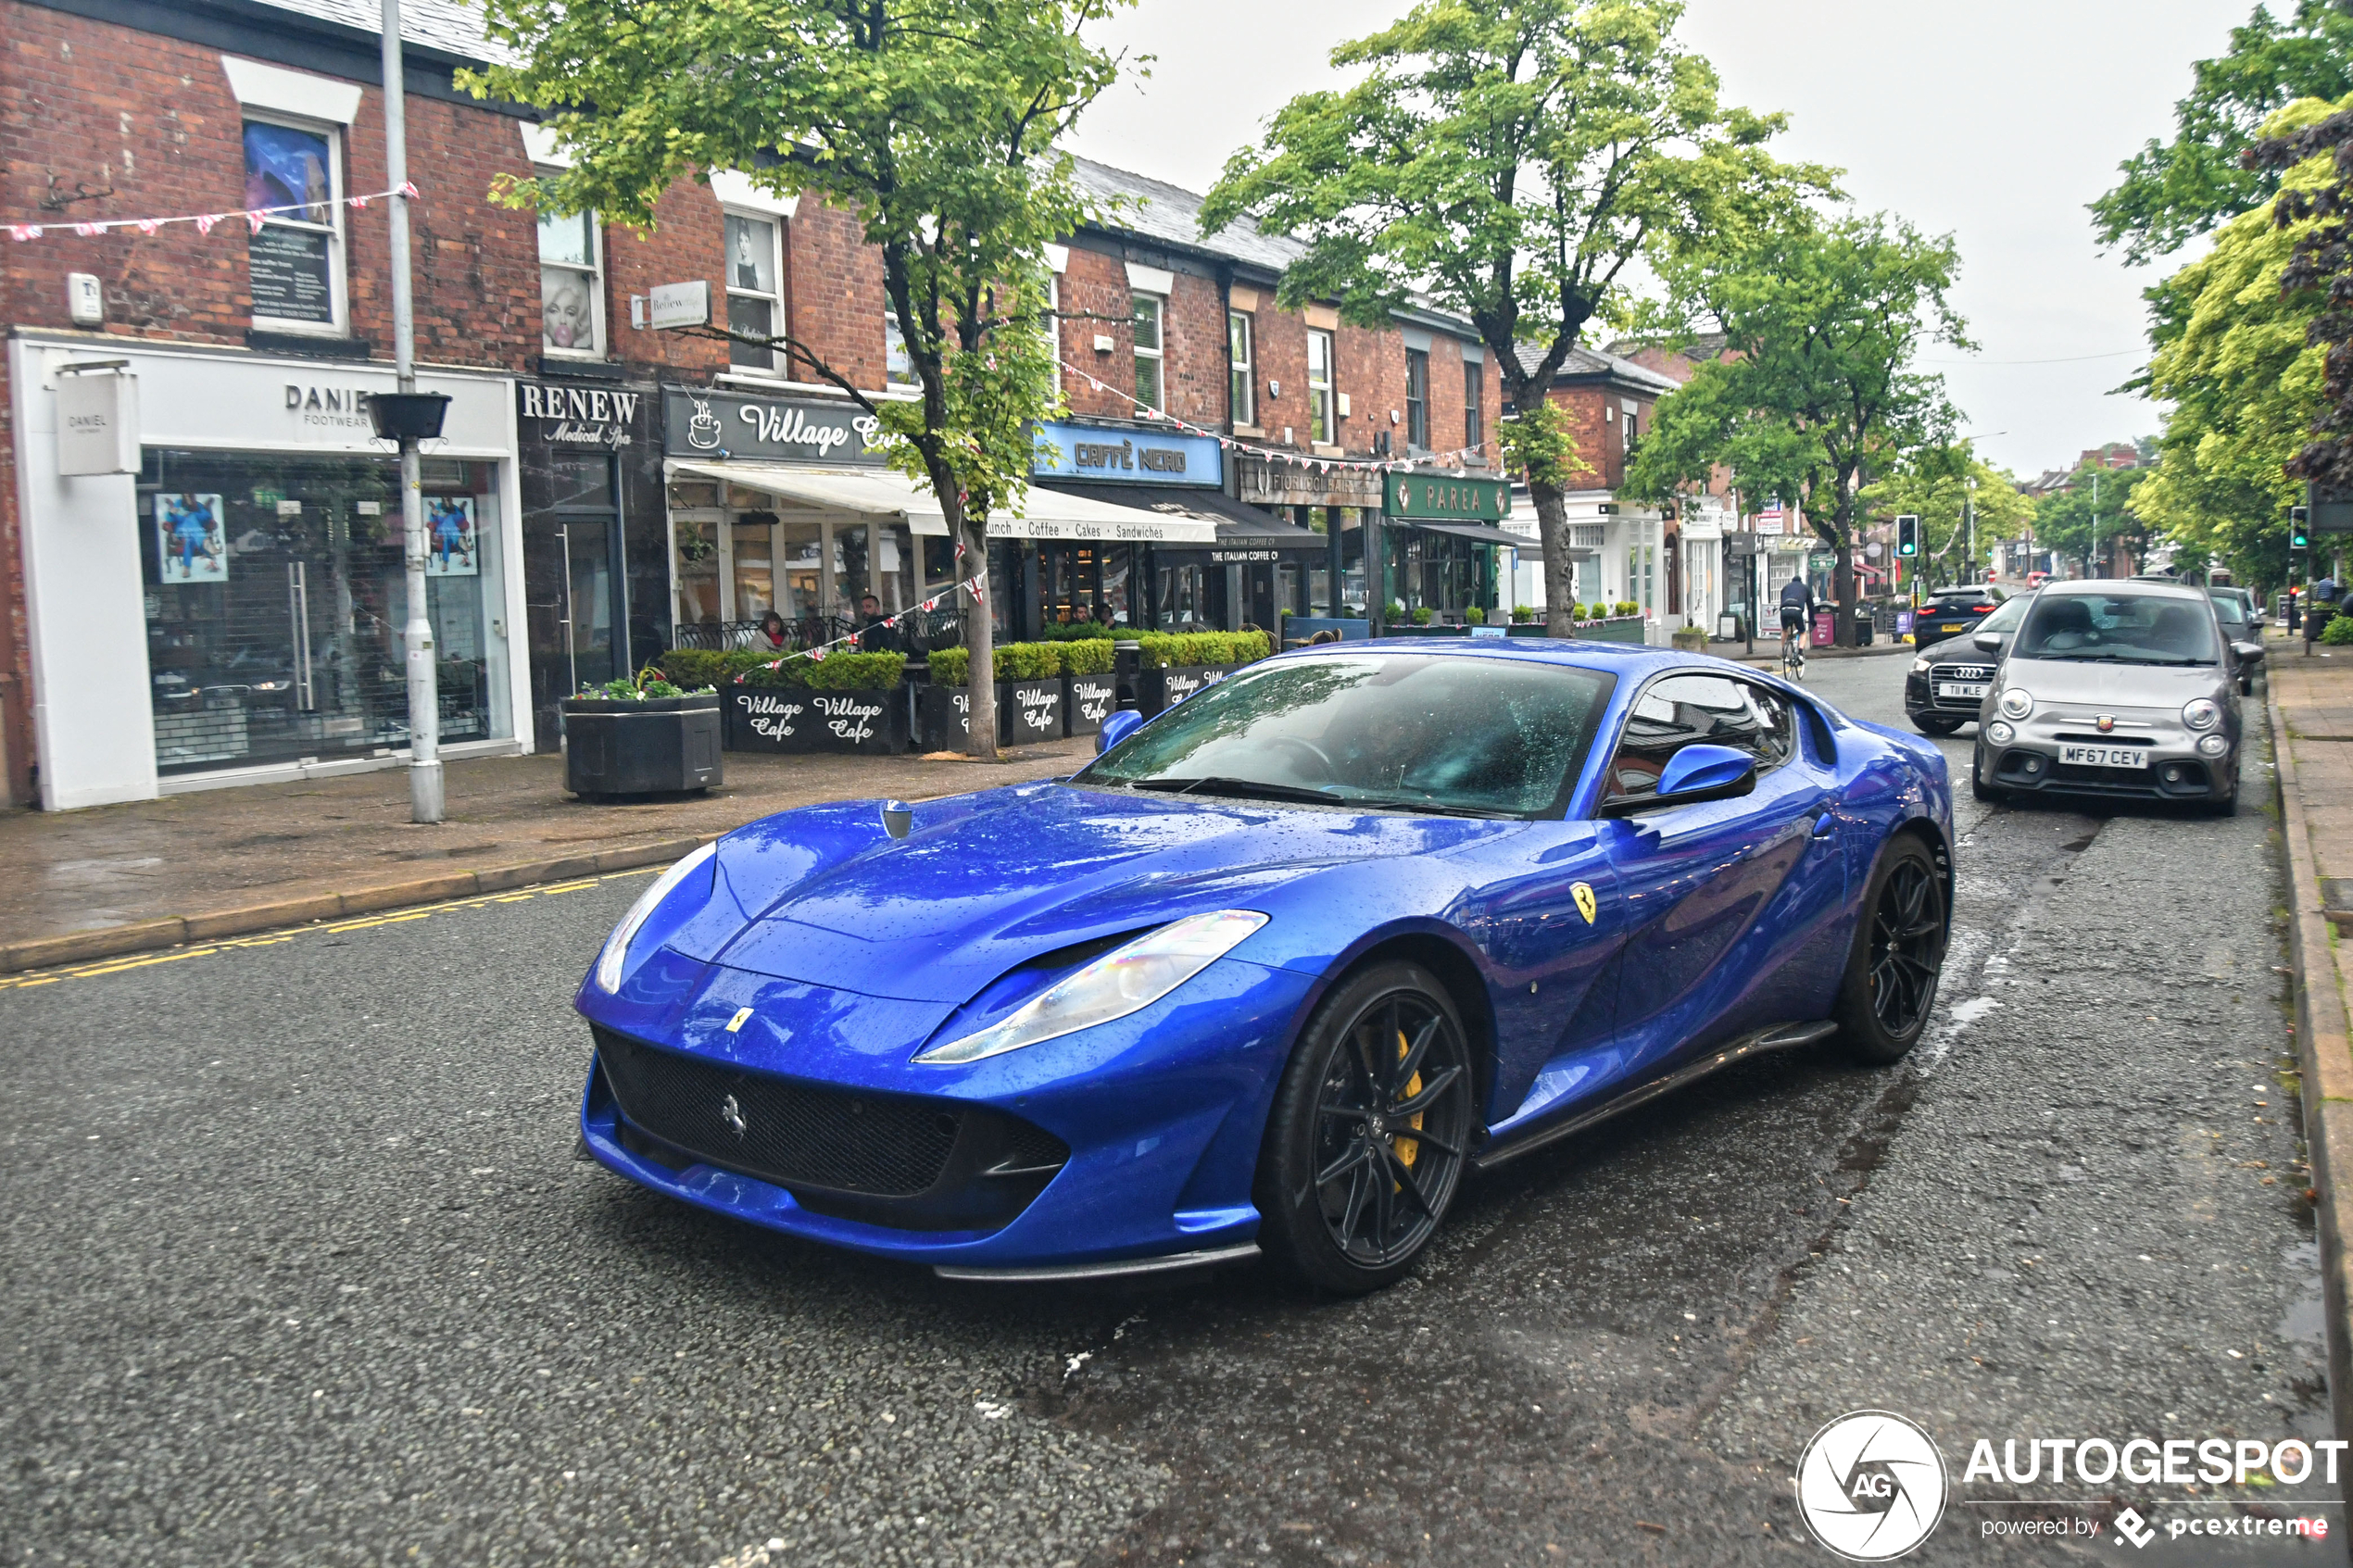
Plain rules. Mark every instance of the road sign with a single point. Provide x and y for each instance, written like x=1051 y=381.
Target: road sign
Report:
x=2330 y=512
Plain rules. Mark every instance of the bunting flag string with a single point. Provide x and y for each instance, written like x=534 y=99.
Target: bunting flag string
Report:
x=1323 y=465
x=973 y=586
x=254 y=216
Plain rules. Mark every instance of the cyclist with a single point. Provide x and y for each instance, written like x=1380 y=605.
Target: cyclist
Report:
x=1798 y=604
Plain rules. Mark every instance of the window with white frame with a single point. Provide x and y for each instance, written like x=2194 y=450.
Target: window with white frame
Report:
x=1417 y=399
x=297 y=253
x=1319 y=387
x=755 y=291
x=572 y=296
x=1474 y=399
x=899 y=366
x=1241 y=399
x=1149 y=312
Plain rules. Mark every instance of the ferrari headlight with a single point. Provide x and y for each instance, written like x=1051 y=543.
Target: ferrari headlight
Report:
x=1920 y=666
x=616 y=951
x=1127 y=979
x=2201 y=714
x=2016 y=703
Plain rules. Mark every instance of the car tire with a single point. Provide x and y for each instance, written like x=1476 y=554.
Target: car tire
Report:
x=1889 y=988
x=1360 y=1228
x=1930 y=724
x=2226 y=805
x=1977 y=788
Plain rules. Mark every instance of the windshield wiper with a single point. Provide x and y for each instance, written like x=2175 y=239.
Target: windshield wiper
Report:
x=1436 y=809
x=1247 y=788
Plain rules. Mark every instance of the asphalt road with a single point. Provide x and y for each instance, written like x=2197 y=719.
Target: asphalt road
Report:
x=299 y=1269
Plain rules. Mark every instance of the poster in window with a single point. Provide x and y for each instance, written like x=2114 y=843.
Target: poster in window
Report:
x=451 y=549
x=192 y=541
x=293 y=278
x=568 y=318
x=286 y=167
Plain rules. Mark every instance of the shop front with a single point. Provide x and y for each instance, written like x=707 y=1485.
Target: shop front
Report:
x=784 y=519
x=594 y=547
x=234 y=608
x=1341 y=502
x=1446 y=550
x=1181 y=565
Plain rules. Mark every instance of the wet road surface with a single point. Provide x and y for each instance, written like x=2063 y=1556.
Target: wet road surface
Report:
x=301 y=1270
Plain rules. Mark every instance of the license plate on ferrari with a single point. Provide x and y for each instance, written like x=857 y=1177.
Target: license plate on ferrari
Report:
x=2104 y=755
x=1948 y=691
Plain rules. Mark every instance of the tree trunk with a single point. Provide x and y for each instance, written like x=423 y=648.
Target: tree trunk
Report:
x=1552 y=527
x=980 y=640
x=1843 y=577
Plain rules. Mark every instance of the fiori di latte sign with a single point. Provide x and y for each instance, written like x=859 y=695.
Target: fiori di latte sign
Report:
x=1442 y=497
x=799 y=430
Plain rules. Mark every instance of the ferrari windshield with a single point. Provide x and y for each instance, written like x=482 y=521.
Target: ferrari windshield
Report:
x=1461 y=735
x=2119 y=627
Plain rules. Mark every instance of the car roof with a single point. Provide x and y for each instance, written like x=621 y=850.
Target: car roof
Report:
x=2128 y=585
x=1616 y=658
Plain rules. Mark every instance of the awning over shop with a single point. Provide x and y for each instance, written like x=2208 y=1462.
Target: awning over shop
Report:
x=1241 y=531
x=1478 y=532
x=880 y=493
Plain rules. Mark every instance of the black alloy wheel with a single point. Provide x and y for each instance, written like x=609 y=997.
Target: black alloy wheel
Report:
x=1370 y=1129
x=1898 y=956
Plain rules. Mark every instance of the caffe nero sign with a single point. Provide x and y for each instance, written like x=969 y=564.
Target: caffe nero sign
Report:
x=1127 y=456
x=794 y=430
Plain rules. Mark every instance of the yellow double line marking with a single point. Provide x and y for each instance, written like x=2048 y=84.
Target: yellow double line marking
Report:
x=273 y=938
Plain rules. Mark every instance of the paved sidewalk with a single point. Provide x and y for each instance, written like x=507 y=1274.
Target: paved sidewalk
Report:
x=115 y=879
x=2309 y=703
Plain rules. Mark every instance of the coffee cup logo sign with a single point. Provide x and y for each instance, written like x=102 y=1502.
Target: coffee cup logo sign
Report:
x=580 y=415
x=805 y=430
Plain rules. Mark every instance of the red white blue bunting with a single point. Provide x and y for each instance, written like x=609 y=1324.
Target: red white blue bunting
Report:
x=976 y=587
x=204 y=222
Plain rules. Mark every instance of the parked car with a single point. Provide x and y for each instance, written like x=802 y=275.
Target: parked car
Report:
x=2246 y=596
x=1277 y=968
x=2117 y=689
x=2230 y=610
x=1951 y=612
x=1948 y=681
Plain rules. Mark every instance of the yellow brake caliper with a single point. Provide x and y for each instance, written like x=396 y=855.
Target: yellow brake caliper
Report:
x=1408 y=1148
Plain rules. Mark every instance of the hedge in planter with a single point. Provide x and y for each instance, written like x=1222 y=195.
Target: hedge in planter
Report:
x=1029 y=694
x=1090 y=690
x=1171 y=666
x=844 y=702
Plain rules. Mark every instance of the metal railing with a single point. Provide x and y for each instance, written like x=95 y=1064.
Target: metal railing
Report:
x=919 y=632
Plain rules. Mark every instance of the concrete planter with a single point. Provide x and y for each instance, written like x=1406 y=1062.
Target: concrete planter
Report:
x=625 y=748
x=789 y=719
x=1087 y=700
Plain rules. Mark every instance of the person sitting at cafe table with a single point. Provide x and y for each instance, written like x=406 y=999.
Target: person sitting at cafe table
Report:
x=772 y=630
x=875 y=634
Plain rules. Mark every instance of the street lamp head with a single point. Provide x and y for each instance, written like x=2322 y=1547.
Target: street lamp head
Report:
x=408 y=416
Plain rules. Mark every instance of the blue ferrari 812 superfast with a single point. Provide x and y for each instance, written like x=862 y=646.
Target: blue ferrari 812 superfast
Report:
x=1277 y=968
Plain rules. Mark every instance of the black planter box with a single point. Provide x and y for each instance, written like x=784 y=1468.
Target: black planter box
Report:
x=1159 y=689
x=1029 y=712
x=943 y=718
x=623 y=747
x=789 y=719
x=1087 y=700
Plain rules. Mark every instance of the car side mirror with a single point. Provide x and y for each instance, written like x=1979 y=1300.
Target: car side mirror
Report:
x=1117 y=728
x=2249 y=652
x=1695 y=774
x=1990 y=641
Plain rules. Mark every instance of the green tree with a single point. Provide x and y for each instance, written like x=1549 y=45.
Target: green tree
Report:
x=1508 y=159
x=2172 y=192
x=1948 y=488
x=2236 y=361
x=934 y=122
x=1823 y=319
x=2093 y=509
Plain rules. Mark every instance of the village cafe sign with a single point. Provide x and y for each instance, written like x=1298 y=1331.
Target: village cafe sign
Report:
x=797 y=430
x=1447 y=499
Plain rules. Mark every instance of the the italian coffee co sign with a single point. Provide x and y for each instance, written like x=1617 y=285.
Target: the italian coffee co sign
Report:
x=795 y=430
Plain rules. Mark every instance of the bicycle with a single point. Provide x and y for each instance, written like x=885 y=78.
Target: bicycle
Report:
x=1792 y=651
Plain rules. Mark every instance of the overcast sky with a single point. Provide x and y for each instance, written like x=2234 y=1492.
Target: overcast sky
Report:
x=1997 y=121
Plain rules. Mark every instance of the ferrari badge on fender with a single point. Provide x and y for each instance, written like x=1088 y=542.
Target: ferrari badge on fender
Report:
x=1583 y=894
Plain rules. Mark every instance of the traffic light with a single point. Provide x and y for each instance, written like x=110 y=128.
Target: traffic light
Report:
x=1908 y=535
x=2299 y=528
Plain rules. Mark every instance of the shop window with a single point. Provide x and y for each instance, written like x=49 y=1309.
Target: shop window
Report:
x=1319 y=388
x=1149 y=312
x=1180 y=602
x=899 y=366
x=1417 y=399
x=1241 y=404
x=571 y=303
x=295 y=257
x=1474 y=398
x=755 y=297
x=276 y=598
